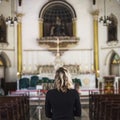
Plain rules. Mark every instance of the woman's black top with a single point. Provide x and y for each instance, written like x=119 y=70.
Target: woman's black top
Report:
x=62 y=106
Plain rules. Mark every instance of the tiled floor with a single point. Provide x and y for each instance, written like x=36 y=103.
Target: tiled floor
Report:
x=85 y=114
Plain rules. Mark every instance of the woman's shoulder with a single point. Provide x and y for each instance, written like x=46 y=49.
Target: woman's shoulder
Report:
x=51 y=91
x=73 y=90
x=55 y=91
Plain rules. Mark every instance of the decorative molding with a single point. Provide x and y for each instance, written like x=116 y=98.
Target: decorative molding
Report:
x=52 y=41
x=49 y=69
x=42 y=69
x=54 y=49
x=95 y=14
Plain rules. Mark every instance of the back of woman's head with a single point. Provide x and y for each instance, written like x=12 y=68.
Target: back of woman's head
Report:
x=63 y=81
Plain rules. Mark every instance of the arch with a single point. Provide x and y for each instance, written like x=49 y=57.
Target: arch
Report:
x=5 y=59
x=5 y=64
x=57 y=19
x=112 y=54
x=109 y=55
x=108 y=60
x=54 y=3
x=114 y=64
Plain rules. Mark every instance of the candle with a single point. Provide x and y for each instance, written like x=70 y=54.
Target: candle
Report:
x=92 y=68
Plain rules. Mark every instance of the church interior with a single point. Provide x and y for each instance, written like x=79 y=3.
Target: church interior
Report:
x=39 y=36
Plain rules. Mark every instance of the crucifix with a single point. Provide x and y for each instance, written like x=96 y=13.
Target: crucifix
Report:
x=58 y=48
x=58 y=61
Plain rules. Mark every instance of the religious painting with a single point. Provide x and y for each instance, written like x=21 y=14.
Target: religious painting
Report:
x=58 y=28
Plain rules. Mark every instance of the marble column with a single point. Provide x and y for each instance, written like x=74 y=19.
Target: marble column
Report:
x=74 y=27
x=40 y=28
x=96 y=43
x=19 y=46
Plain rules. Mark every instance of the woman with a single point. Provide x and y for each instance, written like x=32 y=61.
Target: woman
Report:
x=63 y=102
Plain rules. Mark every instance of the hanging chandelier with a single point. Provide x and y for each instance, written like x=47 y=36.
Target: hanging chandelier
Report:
x=11 y=20
x=105 y=19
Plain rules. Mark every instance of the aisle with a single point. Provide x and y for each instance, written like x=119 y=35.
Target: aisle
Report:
x=84 y=103
x=85 y=114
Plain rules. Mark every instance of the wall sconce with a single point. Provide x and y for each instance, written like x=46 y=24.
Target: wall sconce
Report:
x=4 y=0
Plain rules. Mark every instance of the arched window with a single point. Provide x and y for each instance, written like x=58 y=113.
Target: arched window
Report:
x=115 y=59
x=115 y=64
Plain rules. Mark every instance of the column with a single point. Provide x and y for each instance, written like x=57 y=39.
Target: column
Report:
x=74 y=27
x=96 y=44
x=19 y=46
x=40 y=28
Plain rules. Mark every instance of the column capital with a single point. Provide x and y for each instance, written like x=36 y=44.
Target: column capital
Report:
x=74 y=19
x=95 y=14
x=40 y=19
x=19 y=16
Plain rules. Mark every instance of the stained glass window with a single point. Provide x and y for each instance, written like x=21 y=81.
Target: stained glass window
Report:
x=116 y=59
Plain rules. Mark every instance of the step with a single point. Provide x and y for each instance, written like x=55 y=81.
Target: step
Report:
x=84 y=99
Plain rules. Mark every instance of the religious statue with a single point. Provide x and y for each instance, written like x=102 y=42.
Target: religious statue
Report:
x=2 y=30
x=58 y=29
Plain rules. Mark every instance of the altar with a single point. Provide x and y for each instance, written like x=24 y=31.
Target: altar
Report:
x=85 y=78
x=46 y=81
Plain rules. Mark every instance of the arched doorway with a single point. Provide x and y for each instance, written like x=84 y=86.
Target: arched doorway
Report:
x=4 y=64
x=2 y=73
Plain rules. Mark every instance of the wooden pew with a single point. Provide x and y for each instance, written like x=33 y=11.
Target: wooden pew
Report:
x=4 y=113
x=15 y=107
x=101 y=106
